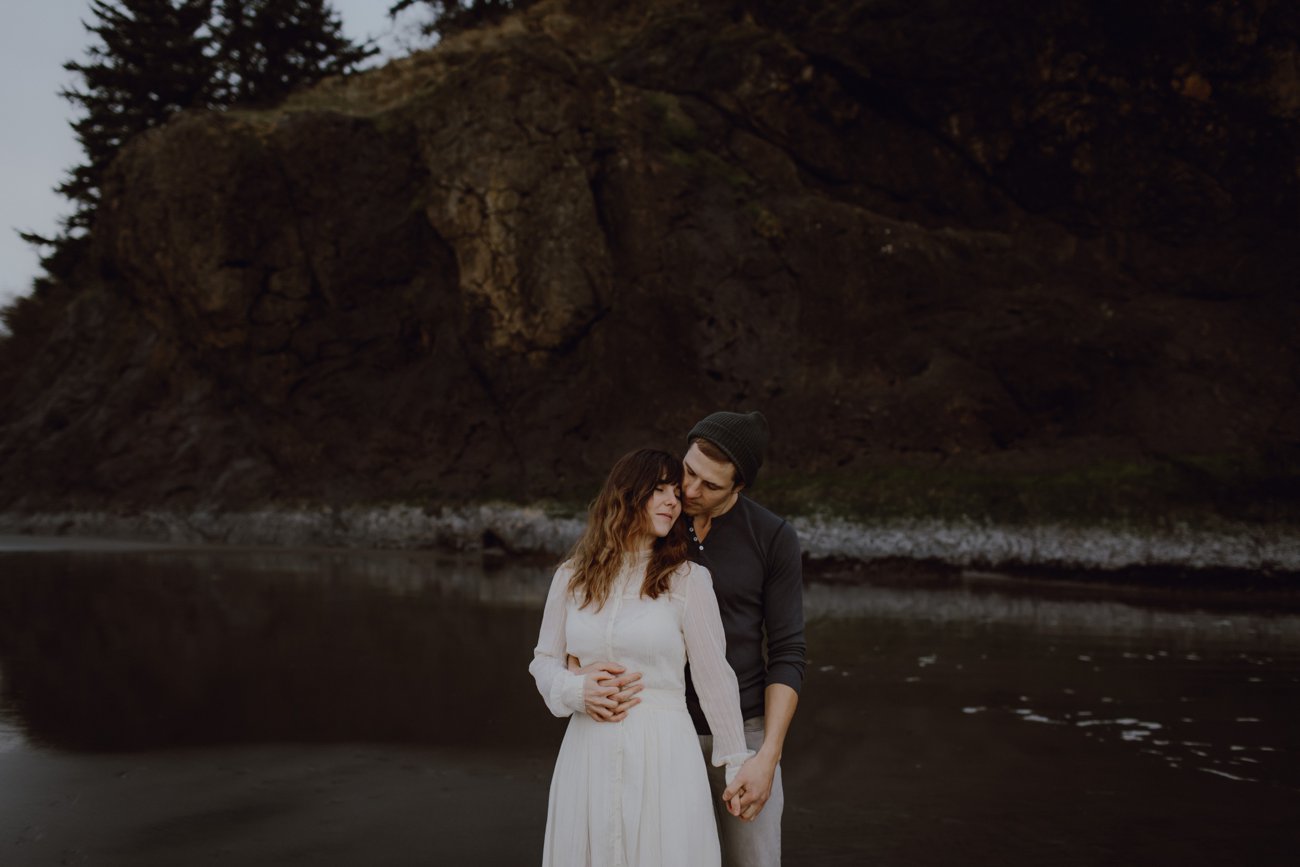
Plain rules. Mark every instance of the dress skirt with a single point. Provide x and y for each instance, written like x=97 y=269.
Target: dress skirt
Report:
x=633 y=793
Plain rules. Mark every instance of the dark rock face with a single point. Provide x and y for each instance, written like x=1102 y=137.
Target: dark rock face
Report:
x=948 y=231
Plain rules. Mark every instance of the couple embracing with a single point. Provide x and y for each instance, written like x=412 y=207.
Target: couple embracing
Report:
x=675 y=626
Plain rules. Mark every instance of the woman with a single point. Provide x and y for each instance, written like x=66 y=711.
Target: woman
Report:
x=634 y=792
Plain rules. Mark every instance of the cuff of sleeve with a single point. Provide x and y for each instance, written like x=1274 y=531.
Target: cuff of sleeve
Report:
x=733 y=763
x=787 y=673
x=568 y=691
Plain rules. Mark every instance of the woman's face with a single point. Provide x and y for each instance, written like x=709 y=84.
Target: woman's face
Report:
x=663 y=507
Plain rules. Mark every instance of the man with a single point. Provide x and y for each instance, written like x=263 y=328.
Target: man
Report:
x=758 y=579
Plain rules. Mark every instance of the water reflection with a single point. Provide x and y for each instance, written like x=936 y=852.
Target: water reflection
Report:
x=1186 y=616
x=1016 y=723
x=10 y=737
x=144 y=650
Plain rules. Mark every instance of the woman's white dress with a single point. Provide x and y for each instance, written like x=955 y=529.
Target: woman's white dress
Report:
x=635 y=792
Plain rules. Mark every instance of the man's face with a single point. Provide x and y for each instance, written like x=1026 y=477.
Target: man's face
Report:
x=707 y=485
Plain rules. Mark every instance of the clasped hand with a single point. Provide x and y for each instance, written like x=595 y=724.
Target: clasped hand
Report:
x=747 y=794
x=608 y=689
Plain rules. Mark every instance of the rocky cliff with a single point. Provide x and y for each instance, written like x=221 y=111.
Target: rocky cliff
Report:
x=944 y=245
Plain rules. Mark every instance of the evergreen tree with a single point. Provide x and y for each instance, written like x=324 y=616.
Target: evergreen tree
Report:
x=151 y=60
x=268 y=48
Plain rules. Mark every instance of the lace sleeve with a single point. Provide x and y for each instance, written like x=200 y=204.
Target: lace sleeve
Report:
x=560 y=688
x=715 y=682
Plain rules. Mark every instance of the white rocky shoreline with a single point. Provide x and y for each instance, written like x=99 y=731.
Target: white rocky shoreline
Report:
x=542 y=529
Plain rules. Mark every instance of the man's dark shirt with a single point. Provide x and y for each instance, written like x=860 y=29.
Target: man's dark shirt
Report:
x=758 y=579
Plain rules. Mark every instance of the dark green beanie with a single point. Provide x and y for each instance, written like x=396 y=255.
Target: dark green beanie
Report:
x=741 y=435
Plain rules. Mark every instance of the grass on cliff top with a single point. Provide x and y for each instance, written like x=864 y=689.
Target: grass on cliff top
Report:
x=1197 y=492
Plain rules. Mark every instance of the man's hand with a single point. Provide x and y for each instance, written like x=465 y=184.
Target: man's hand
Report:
x=608 y=691
x=751 y=788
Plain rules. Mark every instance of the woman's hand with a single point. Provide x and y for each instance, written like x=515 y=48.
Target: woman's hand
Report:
x=608 y=692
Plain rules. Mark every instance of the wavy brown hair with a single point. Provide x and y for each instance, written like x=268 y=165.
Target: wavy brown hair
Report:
x=614 y=520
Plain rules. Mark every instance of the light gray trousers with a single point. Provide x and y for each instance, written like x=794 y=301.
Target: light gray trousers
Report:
x=747 y=844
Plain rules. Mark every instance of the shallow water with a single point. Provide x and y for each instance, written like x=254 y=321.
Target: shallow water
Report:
x=169 y=706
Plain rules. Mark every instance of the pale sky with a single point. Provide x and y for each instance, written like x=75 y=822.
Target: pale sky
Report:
x=37 y=145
